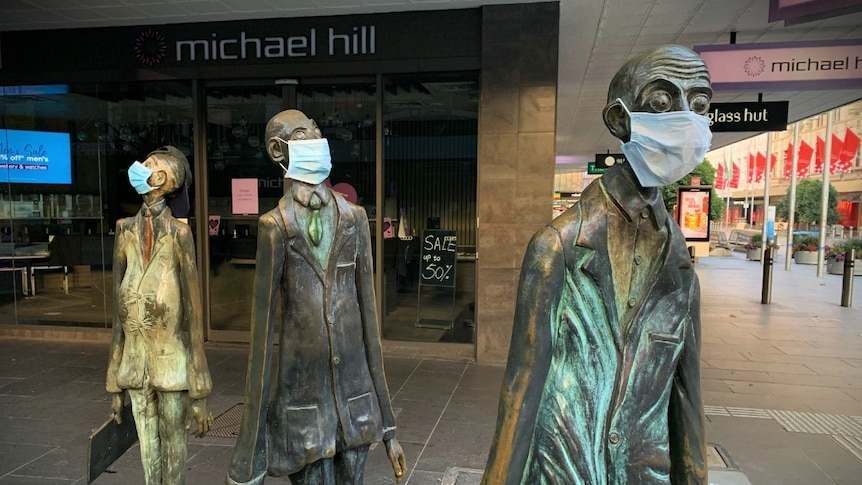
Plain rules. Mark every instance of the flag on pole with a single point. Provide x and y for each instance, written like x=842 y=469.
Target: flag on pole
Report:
x=818 y=155
x=720 y=179
x=836 y=154
x=760 y=167
x=733 y=183
x=848 y=150
x=788 y=161
x=805 y=152
x=750 y=167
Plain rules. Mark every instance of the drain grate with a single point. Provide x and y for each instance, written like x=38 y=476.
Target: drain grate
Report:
x=226 y=424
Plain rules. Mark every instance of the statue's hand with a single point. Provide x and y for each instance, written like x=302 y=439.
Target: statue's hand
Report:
x=396 y=456
x=117 y=407
x=203 y=417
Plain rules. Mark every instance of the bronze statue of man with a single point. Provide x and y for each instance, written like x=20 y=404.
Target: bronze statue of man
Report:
x=156 y=299
x=603 y=379
x=329 y=401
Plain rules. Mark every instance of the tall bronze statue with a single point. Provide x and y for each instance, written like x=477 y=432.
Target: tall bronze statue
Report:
x=603 y=378
x=329 y=401
x=156 y=299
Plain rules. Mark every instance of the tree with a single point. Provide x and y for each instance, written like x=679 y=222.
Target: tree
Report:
x=706 y=172
x=809 y=198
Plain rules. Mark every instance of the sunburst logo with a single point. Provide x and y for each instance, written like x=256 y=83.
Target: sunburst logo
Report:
x=150 y=47
x=754 y=66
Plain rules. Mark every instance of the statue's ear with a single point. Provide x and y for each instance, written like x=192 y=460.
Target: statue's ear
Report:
x=617 y=121
x=159 y=178
x=275 y=150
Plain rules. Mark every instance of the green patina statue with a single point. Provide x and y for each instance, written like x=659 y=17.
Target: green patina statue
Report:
x=315 y=421
x=156 y=299
x=603 y=379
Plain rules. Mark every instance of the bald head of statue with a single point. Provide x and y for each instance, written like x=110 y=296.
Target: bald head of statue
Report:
x=667 y=78
x=288 y=125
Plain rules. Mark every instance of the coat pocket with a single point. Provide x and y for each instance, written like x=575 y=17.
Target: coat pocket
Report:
x=365 y=418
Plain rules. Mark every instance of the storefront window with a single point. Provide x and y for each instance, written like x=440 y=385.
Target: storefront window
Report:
x=430 y=126
x=64 y=152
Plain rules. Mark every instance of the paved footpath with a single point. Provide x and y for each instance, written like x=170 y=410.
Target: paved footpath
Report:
x=782 y=388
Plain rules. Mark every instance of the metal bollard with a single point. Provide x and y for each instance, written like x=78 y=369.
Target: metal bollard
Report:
x=766 y=292
x=847 y=286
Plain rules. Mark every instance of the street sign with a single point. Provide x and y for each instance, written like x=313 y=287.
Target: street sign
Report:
x=754 y=116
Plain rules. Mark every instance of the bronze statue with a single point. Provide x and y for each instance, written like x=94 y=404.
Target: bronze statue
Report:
x=603 y=378
x=329 y=401
x=156 y=298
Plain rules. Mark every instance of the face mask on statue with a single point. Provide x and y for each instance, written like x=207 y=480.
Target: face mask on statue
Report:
x=139 y=174
x=309 y=161
x=665 y=147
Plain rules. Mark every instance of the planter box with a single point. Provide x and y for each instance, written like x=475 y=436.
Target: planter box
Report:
x=753 y=254
x=805 y=257
x=837 y=267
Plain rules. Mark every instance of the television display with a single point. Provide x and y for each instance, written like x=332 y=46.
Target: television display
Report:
x=35 y=157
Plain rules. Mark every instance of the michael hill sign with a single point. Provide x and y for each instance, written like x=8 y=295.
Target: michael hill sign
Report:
x=813 y=65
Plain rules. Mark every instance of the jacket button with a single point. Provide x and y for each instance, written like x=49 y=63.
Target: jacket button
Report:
x=631 y=302
x=614 y=437
x=644 y=213
x=638 y=259
x=336 y=360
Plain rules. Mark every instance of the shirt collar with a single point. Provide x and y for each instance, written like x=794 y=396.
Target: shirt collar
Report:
x=155 y=209
x=302 y=192
x=621 y=185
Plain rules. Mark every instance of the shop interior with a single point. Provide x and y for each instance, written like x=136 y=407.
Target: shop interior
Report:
x=57 y=233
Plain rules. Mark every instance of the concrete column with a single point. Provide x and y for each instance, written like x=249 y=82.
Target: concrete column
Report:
x=517 y=123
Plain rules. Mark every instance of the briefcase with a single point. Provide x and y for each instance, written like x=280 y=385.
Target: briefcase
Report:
x=108 y=442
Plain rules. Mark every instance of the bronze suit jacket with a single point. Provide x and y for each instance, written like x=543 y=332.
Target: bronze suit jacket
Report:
x=153 y=306
x=594 y=395
x=330 y=392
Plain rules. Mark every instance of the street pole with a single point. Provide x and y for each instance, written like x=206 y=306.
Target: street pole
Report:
x=824 y=200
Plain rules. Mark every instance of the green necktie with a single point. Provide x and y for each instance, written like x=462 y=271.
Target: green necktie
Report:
x=315 y=229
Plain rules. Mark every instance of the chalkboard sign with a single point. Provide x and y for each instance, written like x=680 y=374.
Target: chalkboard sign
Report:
x=438 y=258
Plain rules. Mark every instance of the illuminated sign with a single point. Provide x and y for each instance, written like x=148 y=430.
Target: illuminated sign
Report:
x=812 y=65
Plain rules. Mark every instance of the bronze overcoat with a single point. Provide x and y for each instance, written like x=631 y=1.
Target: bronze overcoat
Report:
x=590 y=396
x=330 y=390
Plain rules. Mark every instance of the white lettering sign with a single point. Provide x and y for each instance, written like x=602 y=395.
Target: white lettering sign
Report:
x=361 y=40
x=786 y=65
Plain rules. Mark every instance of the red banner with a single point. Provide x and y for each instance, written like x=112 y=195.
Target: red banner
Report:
x=733 y=183
x=848 y=150
x=802 y=167
x=818 y=155
x=788 y=161
x=760 y=167
x=720 y=179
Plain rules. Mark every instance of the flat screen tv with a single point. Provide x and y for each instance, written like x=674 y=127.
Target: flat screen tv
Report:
x=35 y=157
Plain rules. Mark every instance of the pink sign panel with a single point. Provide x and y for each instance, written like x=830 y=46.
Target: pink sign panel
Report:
x=244 y=196
x=814 y=65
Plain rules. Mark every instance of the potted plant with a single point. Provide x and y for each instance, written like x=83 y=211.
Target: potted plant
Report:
x=837 y=255
x=805 y=249
x=753 y=248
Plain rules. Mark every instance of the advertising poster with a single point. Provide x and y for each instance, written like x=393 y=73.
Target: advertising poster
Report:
x=693 y=209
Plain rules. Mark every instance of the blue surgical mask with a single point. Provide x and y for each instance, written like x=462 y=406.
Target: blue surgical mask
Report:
x=139 y=174
x=665 y=147
x=309 y=161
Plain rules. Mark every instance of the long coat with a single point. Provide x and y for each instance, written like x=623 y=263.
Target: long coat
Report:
x=153 y=306
x=592 y=394
x=330 y=391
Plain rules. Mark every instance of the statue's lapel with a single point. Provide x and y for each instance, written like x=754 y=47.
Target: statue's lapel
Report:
x=297 y=240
